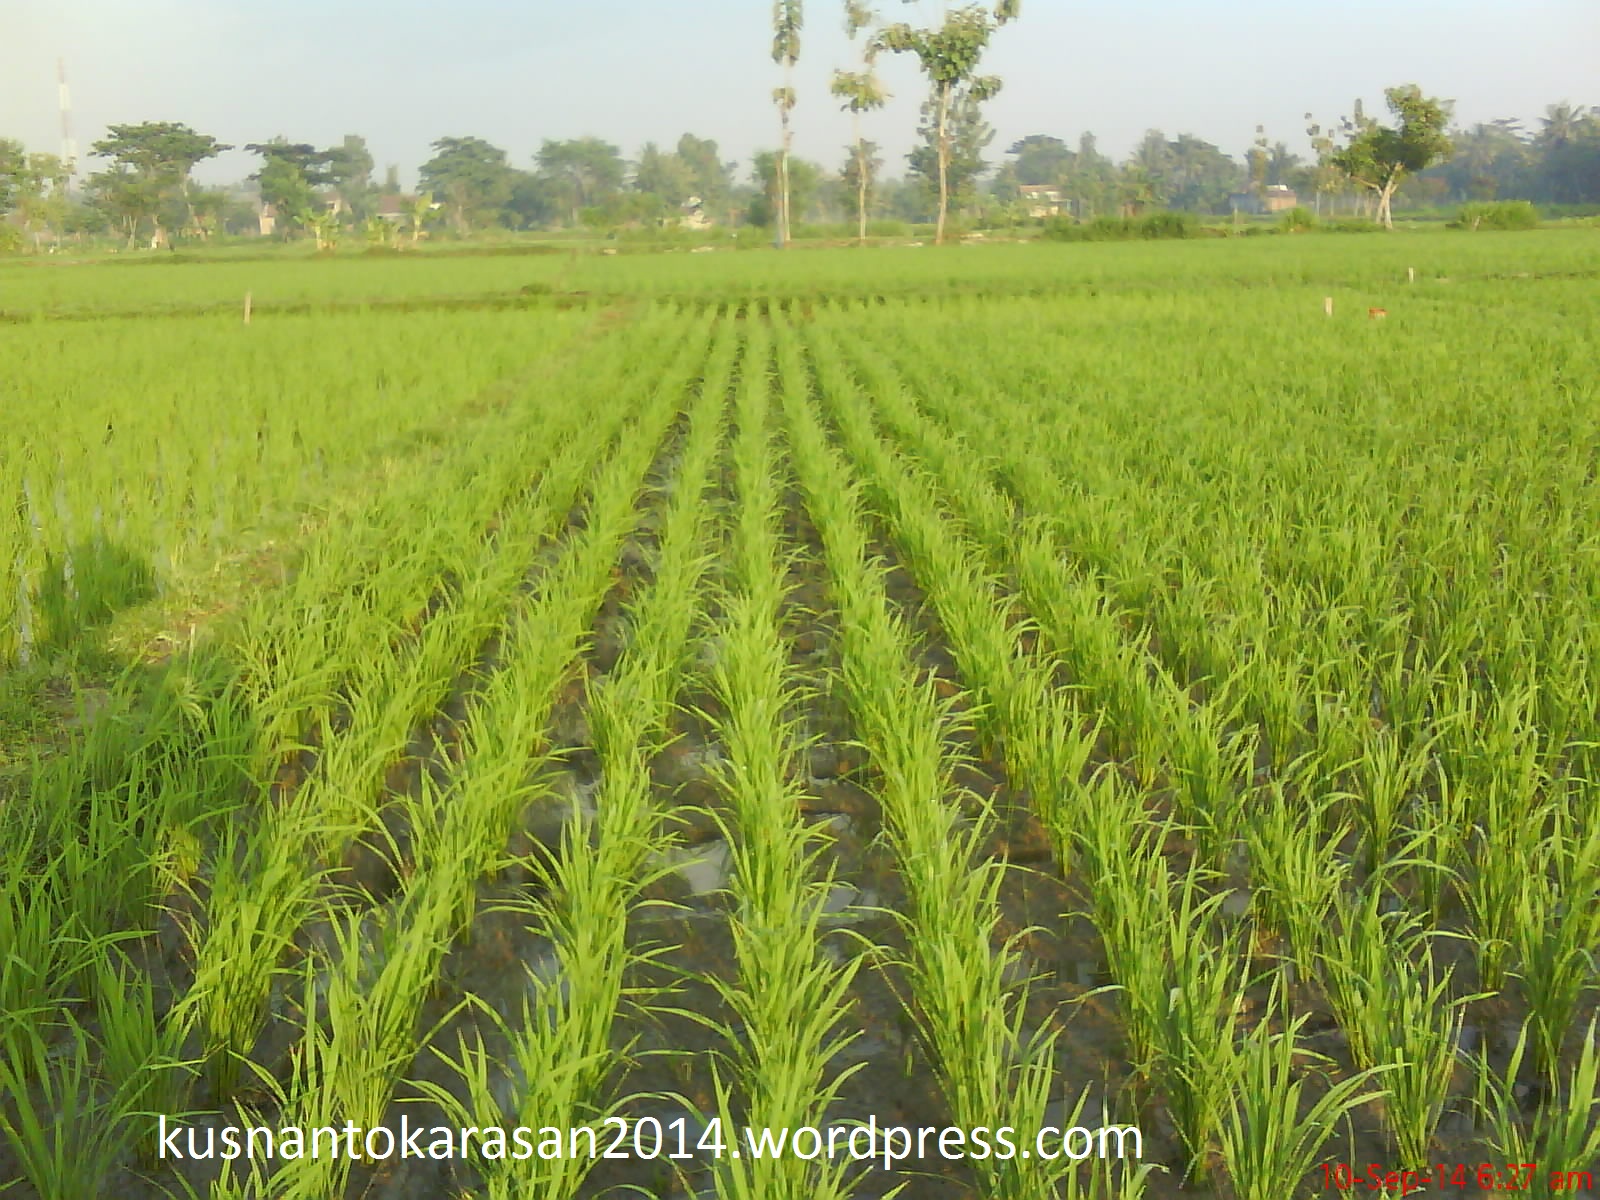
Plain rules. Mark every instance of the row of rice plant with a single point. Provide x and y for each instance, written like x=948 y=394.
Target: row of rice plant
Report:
x=993 y=1069
x=1384 y=790
x=261 y=901
x=131 y=461
x=1180 y=972
x=789 y=1002
x=564 y=1055
x=71 y=875
x=362 y=1031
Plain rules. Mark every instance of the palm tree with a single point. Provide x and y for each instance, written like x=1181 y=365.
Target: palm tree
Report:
x=1561 y=123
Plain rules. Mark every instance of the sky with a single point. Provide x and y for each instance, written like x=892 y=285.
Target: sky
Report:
x=405 y=72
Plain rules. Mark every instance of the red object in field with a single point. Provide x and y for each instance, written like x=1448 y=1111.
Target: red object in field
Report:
x=1377 y=314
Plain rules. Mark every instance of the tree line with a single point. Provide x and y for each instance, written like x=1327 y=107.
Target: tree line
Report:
x=144 y=187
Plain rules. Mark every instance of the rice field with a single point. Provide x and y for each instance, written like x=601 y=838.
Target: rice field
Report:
x=1010 y=687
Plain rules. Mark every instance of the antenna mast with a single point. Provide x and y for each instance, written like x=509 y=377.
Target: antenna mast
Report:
x=69 y=146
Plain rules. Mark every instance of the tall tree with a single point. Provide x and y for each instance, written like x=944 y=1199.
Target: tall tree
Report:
x=1377 y=157
x=951 y=160
x=126 y=198
x=664 y=175
x=585 y=170
x=713 y=178
x=13 y=168
x=1041 y=159
x=788 y=17
x=1092 y=179
x=472 y=177
x=805 y=179
x=1152 y=158
x=290 y=172
x=1258 y=162
x=860 y=92
x=860 y=176
x=1325 y=174
x=350 y=164
x=160 y=154
x=1199 y=176
x=949 y=56
x=41 y=202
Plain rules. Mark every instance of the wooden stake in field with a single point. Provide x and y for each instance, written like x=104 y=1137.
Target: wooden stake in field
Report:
x=1327 y=305
x=1411 y=274
x=247 y=308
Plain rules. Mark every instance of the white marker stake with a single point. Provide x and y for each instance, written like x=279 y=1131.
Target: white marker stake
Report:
x=247 y=308
x=1411 y=274
x=1327 y=305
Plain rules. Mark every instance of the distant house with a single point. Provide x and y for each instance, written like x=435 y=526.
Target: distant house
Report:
x=1275 y=198
x=392 y=207
x=267 y=218
x=694 y=214
x=1043 y=200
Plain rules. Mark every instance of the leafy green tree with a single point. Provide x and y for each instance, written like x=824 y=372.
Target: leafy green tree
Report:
x=712 y=178
x=535 y=201
x=950 y=160
x=805 y=182
x=41 y=200
x=161 y=154
x=788 y=18
x=1282 y=164
x=289 y=176
x=126 y=198
x=1377 y=157
x=1199 y=177
x=1091 y=182
x=949 y=57
x=584 y=171
x=1568 y=148
x=663 y=181
x=471 y=177
x=859 y=175
x=1040 y=160
x=1257 y=159
x=350 y=167
x=1137 y=189
x=1491 y=160
x=860 y=92
x=13 y=167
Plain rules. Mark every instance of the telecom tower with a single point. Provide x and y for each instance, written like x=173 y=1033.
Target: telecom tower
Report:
x=69 y=146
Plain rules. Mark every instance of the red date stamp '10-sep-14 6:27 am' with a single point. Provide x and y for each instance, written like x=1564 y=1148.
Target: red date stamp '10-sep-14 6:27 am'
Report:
x=1375 y=1179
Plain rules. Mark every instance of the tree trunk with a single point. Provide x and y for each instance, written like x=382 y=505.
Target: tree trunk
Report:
x=861 y=182
x=783 y=188
x=783 y=157
x=944 y=163
x=188 y=204
x=1386 y=201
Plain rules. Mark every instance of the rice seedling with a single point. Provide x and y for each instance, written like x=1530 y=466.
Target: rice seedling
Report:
x=1561 y=1134
x=1269 y=1138
x=64 y=1133
x=1557 y=925
x=1285 y=638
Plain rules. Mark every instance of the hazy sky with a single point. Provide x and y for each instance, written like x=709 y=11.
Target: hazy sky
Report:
x=403 y=72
